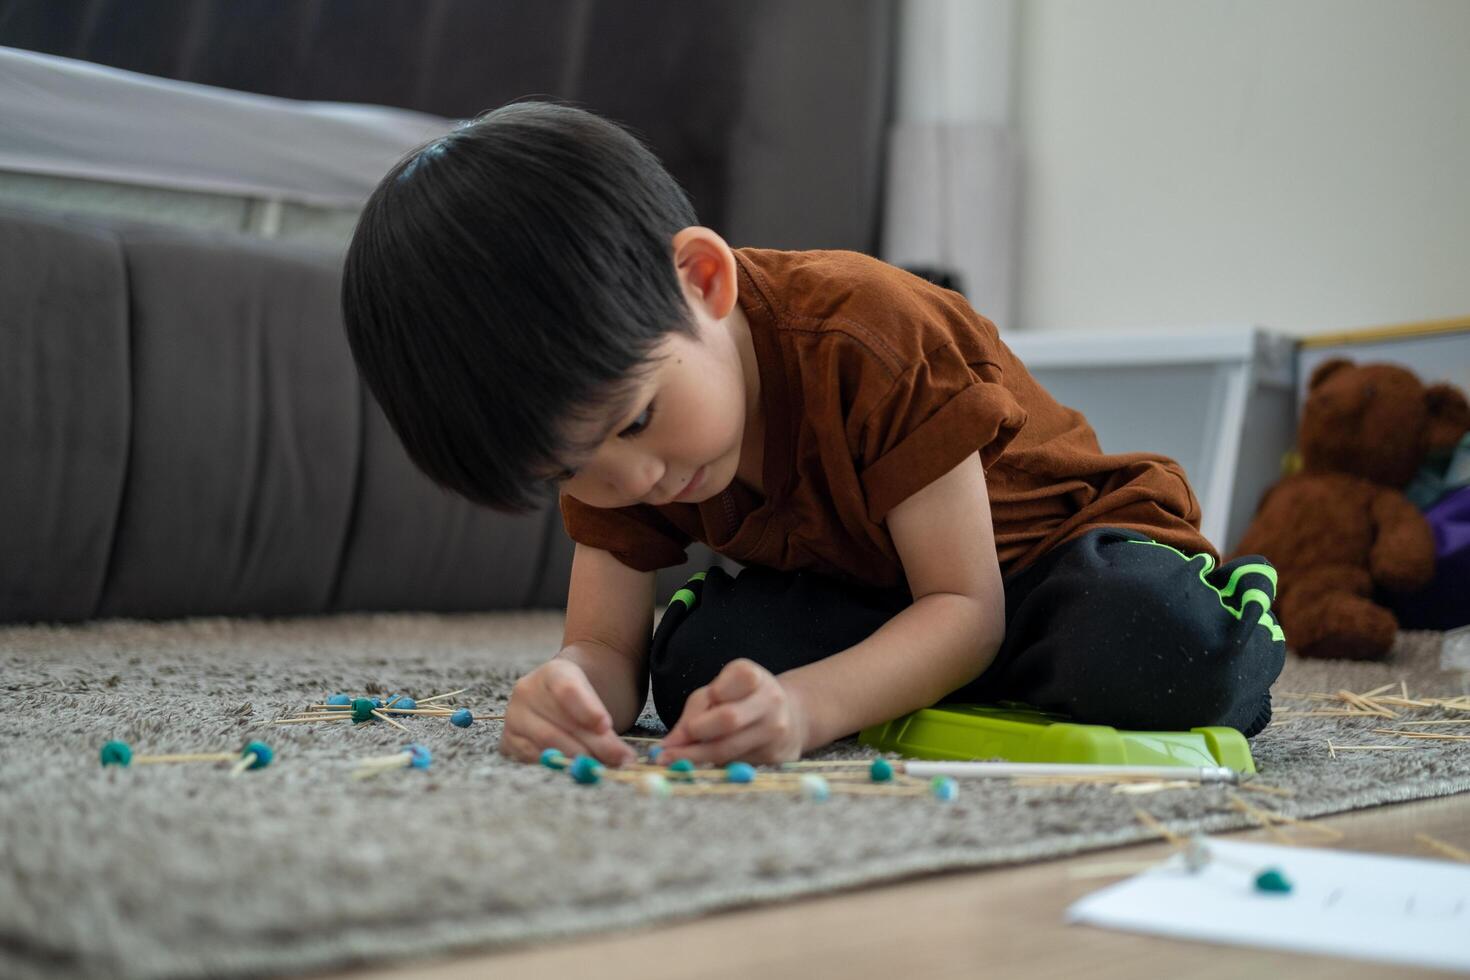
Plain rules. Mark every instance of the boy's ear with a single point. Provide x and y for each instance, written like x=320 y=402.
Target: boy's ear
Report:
x=706 y=268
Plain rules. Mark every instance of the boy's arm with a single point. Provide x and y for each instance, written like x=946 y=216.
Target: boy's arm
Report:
x=944 y=640
x=609 y=627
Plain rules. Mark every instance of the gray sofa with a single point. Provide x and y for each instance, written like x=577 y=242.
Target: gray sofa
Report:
x=182 y=433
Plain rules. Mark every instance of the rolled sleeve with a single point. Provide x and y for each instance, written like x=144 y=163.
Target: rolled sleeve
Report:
x=639 y=537
x=931 y=421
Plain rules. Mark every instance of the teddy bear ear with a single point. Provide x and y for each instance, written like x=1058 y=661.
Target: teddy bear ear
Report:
x=1449 y=415
x=1326 y=369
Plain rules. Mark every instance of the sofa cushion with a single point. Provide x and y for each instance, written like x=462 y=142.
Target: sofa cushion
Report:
x=65 y=409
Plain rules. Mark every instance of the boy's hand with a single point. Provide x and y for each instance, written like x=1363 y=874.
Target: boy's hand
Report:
x=744 y=714
x=555 y=707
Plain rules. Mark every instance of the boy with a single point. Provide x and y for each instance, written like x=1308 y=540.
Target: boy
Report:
x=531 y=298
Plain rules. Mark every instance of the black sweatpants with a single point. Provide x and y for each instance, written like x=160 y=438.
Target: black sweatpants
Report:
x=1110 y=628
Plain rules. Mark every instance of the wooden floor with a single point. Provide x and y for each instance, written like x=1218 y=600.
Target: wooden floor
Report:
x=997 y=923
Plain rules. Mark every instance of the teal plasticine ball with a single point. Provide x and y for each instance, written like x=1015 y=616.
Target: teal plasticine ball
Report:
x=362 y=709
x=682 y=769
x=116 y=753
x=586 y=770
x=881 y=771
x=263 y=754
x=339 y=699
x=553 y=759
x=1272 y=880
x=945 y=789
x=462 y=718
x=740 y=772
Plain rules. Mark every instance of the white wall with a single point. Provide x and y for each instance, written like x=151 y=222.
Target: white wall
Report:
x=1302 y=164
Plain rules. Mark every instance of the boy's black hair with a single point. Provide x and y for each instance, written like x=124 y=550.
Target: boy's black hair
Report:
x=509 y=278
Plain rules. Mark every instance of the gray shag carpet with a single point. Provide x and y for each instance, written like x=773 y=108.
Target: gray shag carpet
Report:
x=173 y=871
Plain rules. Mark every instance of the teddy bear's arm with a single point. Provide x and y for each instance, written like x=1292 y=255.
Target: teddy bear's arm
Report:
x=1402 y=558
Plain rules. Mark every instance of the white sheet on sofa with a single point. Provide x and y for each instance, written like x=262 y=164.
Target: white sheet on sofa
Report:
x=68 y=118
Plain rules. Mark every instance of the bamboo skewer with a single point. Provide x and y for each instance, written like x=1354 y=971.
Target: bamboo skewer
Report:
x=1152 y=823
x=1442 y=721
x=1444 y=848
x=441 y=697
x=378 y=714
x=143 y=760
x=1334 y=749
x=1431 y=735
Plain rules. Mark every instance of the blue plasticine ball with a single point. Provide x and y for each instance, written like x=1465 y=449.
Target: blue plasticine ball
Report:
x=740 y=772
x=553 y=759
x=586 y=770
x=945 y=789
x=116 y=753
x=881 y=771
x=405 y=703
x=263 y=754
x=421 y=756
x=377 y=702
x=339 y=699
x=461 y=718
x=655 y=752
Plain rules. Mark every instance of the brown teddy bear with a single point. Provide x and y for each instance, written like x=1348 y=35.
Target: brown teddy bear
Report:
x=1341 y=528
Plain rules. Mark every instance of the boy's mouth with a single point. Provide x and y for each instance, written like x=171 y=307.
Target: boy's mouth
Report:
x=693 y=485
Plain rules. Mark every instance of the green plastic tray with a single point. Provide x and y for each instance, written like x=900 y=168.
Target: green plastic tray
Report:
x=1019 y=733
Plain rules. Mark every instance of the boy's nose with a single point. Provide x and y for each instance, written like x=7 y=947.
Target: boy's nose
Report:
x=637 y=478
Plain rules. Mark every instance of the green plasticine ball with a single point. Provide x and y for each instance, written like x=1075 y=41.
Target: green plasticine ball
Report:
x=362 y=709
x=262 y=752
x=1272 y=880
x=881 y=771
x=116 y=753
x=657 y=786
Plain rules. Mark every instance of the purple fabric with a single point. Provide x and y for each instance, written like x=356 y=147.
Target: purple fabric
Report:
x=1445 y=604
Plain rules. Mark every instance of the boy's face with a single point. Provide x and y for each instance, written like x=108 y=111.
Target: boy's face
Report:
x=679 y=439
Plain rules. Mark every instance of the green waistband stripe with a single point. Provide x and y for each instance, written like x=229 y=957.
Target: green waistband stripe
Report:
x=1255 y=568
x=686 y=595
x=1251 y=597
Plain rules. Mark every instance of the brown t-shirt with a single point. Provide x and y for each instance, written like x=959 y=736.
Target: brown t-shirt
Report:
x=875 y=383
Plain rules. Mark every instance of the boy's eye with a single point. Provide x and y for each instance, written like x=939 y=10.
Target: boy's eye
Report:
x=640 y=424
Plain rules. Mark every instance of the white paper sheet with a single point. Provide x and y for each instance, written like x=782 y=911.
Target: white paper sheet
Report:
x=1367 y=906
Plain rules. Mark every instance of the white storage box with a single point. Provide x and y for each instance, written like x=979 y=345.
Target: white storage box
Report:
x=1435 y=350
x=1220 y=400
